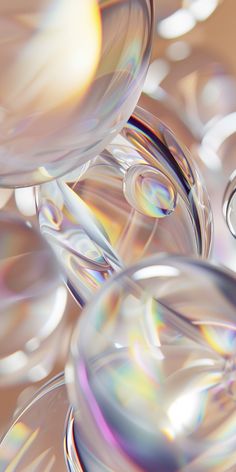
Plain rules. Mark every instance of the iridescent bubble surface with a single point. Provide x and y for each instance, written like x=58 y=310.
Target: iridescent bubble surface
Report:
x=152 y=373
x=140 y=196
x=33 y=301
x=34 y=441
x=71 y=74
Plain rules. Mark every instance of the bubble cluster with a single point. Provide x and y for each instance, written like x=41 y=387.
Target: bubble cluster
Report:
x=152 y=373
x=33 y=301
x=140 y=196
x=71 y=74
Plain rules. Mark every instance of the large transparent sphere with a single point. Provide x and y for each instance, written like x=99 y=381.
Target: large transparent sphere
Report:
x=152 y=373
x=140 y=196
x=33 y=301
x=71 y=74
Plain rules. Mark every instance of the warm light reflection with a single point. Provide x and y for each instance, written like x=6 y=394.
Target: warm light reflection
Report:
x=57 y=64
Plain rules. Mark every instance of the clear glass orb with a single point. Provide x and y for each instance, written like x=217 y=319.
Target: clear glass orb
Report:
x=152 y=373
x=71 y=74
x=140 y=196
x=33 y=301
x=35 y=440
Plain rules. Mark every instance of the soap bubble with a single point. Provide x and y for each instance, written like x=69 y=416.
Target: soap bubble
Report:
x=33 y=301
x=140 y=196
x=34 y=441
x=71 y=74
x=152 y=374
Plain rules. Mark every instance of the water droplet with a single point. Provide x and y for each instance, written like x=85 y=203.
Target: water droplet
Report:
x=149 y=191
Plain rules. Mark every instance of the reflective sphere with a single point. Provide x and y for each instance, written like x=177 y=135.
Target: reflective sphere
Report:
x=152 y=373
x=71 y=74
x=34 y=441
x=33 y=301
x=140 y=196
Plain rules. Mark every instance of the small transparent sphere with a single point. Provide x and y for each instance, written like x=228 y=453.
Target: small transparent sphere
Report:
x=152 y=371
x=140 y=196
x=33 y=301
x=35 y=440
x=71 y=74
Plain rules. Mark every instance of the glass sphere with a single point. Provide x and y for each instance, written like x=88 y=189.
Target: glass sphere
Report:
x=71 y=74
x=140 y=196
x=35 y=439
x=152 y=372
x=33 y=301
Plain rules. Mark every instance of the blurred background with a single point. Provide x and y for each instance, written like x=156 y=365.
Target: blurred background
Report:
x=191 y=86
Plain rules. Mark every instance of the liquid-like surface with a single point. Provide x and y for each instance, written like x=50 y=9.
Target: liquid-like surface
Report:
x=141 y=196
x=33 y=301
x=152 y=370
x=35 y=441
x=71 y=74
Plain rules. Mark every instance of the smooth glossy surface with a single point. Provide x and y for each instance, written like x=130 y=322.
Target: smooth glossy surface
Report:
x=152 y=370
x=141 y=196
x=71 y=74
x=35 y=440
x=33 y=301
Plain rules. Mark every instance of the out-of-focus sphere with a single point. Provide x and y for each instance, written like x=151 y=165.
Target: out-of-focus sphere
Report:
x=178 y=17
x=71 y=74
x=32 y=305
x=140 y=196
x=152 y=370
x=34 y=441
x=195 y=94
x=195 y=82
